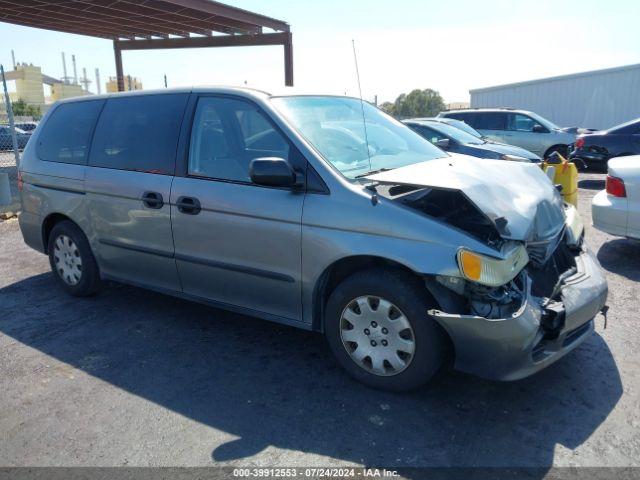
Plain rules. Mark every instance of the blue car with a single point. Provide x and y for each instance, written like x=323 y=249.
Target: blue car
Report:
x=454 y=139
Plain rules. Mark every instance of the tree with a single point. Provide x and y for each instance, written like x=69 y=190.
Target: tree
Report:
x=23 y=109
x=417 y=103
x=387 y=107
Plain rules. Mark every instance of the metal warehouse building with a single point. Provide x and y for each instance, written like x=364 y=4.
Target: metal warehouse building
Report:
x=598 y=99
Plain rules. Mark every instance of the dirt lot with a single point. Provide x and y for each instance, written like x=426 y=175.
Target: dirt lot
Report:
x=132 y=377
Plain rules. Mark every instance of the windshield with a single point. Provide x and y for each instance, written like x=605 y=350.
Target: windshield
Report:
x=462 y=126
x=334 y=126
x=454 y=132
x=543 y=121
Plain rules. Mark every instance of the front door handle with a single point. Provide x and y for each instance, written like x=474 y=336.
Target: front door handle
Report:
x=188 y=205
x=152 y=200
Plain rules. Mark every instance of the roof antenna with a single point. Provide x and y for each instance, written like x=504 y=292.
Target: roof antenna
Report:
x=364 y=122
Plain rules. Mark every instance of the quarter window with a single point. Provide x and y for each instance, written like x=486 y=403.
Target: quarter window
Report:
x=227 y=135
x=66 y=135
x=139 y=133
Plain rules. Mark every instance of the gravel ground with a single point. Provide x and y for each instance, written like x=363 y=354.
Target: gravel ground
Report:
x=132 y=377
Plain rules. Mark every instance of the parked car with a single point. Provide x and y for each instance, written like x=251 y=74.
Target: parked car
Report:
x=27 y=127
x=403 y=256
x=517 y=127
x=595 y=149
x=6 y=142
x=616 y=210
x=452 y=139
x=459 y=124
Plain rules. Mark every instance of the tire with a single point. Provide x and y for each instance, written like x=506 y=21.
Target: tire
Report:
x=410 y=300
x=72 y=260
x=561 y=149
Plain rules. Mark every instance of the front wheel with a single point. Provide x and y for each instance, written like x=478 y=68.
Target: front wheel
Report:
x=561 y=149
x=377 y=326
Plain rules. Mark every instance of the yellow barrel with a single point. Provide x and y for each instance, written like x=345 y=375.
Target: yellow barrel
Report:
x=566 y=174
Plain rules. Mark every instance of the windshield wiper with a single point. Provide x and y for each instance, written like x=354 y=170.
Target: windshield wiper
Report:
x=373 y=172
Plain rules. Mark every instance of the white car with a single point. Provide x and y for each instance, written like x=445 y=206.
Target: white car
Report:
x=616 y=210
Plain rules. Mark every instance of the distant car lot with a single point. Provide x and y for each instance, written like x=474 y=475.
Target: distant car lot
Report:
x=132 y=377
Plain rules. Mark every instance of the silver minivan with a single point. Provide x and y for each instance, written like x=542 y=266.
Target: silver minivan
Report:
x=319 y=212
x=521 y=128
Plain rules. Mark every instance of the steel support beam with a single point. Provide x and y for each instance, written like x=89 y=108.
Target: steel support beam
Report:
x=288 y=60
x=279 y=38
x=119 y=71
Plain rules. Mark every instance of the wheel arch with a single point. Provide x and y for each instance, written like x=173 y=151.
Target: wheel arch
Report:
x=559 y=146
x=51 y=221
x=341 y=269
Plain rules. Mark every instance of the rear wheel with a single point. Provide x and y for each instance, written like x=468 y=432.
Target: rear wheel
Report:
x=72 y=260
x=377 y=326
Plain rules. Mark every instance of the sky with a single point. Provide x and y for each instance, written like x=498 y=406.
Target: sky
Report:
x=450 y=46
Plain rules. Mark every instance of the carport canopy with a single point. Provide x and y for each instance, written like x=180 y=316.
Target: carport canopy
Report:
x=154 y=24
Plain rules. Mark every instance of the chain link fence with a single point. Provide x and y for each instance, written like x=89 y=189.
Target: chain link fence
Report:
x=12 y=141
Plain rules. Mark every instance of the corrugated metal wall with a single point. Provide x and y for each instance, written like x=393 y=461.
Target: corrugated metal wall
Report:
x=599 y=99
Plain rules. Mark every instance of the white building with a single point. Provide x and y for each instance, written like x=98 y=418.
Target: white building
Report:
x=597 y=99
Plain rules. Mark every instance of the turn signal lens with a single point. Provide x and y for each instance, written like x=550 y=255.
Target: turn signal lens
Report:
x=470 y=264
x=615 y=186
x=580 y=143
x=493 y=271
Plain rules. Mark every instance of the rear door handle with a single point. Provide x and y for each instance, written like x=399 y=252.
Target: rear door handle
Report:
x=152 y=200
x=188 y=205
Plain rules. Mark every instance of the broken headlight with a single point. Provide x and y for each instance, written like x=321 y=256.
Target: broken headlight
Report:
x=491 y=271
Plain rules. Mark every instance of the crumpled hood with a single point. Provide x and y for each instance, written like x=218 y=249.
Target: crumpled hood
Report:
x=518 y=192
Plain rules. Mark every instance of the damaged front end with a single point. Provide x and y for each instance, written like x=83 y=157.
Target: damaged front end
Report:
x=513 y=330
x=510 y=315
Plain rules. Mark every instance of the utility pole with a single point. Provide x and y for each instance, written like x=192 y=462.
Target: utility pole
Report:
x=165 y=80
x=13 y=58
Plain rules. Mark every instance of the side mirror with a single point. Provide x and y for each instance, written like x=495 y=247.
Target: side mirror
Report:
x=273 y=172
x=443 y=143
x=537 y=128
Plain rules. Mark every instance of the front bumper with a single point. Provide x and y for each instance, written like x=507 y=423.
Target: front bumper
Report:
x=515 y=347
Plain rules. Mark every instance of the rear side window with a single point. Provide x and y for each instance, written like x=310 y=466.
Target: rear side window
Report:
x=458 y=116
x=490 y=121
x=139 y=133
x=470 y=118
x=66 y=135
